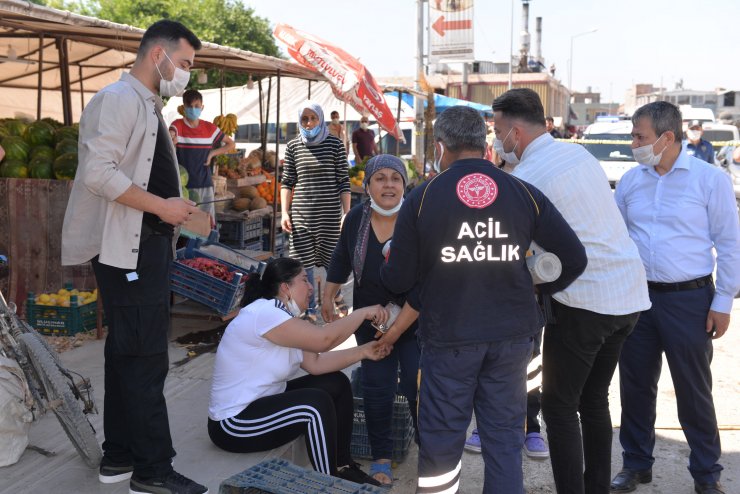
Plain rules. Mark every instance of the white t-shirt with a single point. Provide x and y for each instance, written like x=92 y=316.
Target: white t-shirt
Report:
x=248 y=365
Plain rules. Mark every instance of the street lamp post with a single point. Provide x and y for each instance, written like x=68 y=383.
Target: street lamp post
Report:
x=570 y=67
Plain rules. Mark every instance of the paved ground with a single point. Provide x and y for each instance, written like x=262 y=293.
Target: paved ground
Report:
x=187 y=397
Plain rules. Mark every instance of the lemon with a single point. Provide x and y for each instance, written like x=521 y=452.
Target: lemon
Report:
x=44 y=298
x=63 y=291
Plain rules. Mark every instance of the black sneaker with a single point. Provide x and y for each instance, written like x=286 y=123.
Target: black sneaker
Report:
x=110 y=474
x=353 y=473
x=172 y=483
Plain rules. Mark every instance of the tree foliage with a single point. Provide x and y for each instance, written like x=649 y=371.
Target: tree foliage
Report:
x=224 y=22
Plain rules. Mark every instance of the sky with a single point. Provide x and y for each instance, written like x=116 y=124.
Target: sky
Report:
x=637 y=41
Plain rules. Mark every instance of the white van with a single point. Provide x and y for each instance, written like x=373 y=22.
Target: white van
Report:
x=611 y=144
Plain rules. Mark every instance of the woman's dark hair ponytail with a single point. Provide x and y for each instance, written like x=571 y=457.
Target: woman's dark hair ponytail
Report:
x=280 y=270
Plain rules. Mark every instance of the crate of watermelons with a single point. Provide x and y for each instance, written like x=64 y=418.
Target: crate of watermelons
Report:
x=203 y=278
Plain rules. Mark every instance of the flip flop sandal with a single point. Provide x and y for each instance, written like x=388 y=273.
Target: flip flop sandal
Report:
x=385 y=469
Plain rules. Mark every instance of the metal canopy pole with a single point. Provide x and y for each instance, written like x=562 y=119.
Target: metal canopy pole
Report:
x=309 y=89
x=66 y=93
x=276 y=177
x=262 y=142
x=82 y=91
x=398 y=122
x=40 y=86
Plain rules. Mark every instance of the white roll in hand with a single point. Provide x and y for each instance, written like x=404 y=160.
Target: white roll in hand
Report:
x=544 y=267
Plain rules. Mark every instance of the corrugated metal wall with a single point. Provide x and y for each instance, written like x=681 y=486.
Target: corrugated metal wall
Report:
x=554 y=100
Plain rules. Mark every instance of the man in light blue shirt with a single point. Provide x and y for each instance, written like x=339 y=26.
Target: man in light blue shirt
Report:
x=678 y=209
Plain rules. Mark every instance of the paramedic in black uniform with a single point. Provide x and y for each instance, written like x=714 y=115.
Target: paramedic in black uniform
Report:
x=462 y=237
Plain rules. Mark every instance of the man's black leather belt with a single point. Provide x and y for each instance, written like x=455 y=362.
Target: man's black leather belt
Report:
x=683 y=285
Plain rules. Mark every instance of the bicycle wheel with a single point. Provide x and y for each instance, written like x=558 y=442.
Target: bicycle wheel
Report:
x=62 y=401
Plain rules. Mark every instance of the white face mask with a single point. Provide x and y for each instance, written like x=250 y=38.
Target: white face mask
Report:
x=385 y=212
x=693 y=135
x=438 y=161
x=645 y=154
x=510 y=157
x=335 y=121
x=177 y=85
x=363 y=125
x=292 y=305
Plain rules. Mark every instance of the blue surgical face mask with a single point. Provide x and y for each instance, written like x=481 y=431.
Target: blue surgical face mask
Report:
x=309 y=133
x=192 y=113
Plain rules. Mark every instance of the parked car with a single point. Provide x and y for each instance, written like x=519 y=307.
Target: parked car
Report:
x=610 y=143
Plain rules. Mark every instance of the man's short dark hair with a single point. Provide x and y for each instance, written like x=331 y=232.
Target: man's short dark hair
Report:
x=461 y=128
x=549 y=119
x=522 y=104
x=191 y=96
x=334 y=113
x=663 y=117
x=168 y=33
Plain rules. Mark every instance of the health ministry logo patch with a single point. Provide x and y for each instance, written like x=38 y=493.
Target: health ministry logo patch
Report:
x=477 y=190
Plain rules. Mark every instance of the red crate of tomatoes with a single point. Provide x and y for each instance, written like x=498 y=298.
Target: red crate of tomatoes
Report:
x=203 y=278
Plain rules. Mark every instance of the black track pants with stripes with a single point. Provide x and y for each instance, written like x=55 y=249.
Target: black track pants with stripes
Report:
x=318 y=406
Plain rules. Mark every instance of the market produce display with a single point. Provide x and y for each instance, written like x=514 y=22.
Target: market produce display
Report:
x=43 y=149
x=63 y=297
x=357 y=174
x=227 y=123
x=211 y=267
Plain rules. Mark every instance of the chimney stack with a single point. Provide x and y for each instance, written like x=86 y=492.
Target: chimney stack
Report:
x=538 y=41
x=525 y=28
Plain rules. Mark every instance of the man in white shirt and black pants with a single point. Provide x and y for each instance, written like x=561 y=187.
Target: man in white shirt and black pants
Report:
x=595 y=313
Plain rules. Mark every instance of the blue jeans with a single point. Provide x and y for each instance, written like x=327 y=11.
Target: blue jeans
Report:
x=312 y=302
x=674 y=325
x=490 y=378
x=379 y=391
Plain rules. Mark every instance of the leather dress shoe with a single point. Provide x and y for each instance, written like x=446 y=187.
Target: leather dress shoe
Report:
x=627 y=480
x=713 y=488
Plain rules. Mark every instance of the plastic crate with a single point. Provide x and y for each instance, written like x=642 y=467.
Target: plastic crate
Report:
x=238 y=233
x=279 y=476
x=61 y=321
x=282 y=243
x=402 y=425
x=402 y=430
x=221 y=296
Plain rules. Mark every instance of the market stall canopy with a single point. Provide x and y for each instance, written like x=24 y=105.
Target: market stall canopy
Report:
x=442 y=102
x=56 y=53
x=244 y=102
x=350 y=79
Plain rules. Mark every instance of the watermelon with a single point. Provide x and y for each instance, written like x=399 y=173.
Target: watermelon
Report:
x=54 y=123
x=185 y=193
x=41 y=167
x=15 y=148
x=13 y=169
x=3 y=131
x=39 y=133
x=193 y=195
x=15 y=127
x=65 y=166
x=66 y=146
x=65 y=133
x=45 y=151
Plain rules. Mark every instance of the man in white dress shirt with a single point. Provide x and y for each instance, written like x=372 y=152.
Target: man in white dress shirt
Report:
x=593 y=316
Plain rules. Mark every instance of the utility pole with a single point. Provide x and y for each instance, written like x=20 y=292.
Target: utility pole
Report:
x=418 y=101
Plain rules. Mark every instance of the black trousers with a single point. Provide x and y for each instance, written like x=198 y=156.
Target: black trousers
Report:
x=321 y=407
x=579 y=357
x=135 y=421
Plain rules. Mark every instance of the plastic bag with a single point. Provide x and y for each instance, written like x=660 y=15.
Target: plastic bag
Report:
x=15 y=412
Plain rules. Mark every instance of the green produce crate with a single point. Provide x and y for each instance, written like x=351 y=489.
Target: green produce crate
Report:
x=62 y=321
